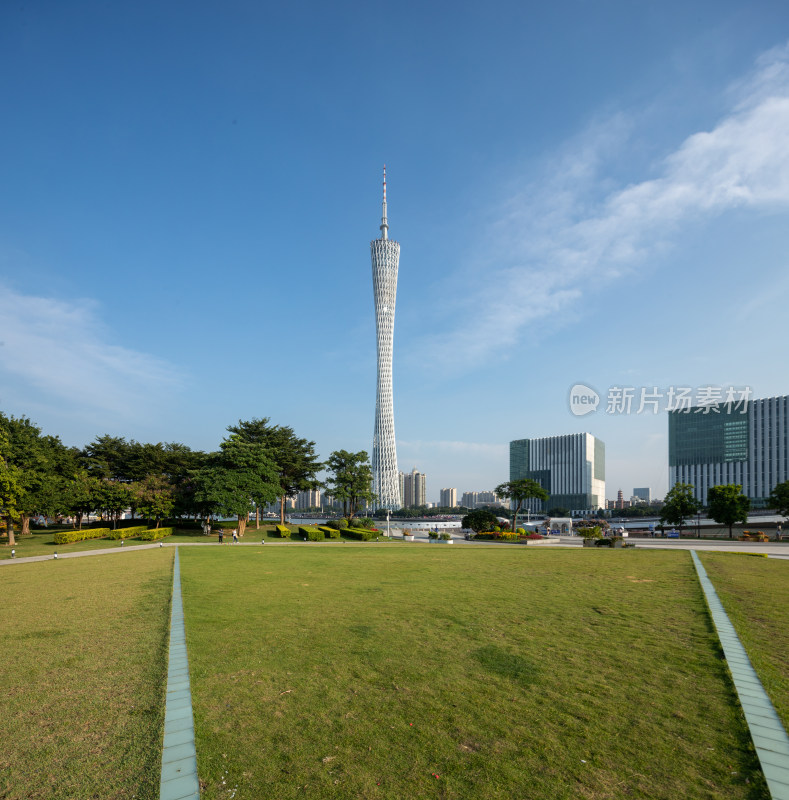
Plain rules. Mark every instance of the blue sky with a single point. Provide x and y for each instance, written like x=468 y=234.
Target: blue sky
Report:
x=584 y=192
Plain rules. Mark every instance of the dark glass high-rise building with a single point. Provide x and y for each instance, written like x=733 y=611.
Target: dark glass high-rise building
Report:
x=744 y=443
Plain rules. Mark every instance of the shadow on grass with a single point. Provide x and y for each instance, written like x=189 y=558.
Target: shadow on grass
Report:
x=506 y=665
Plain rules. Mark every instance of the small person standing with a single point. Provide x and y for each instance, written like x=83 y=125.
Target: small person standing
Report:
x=235 y=536
x=221 y=535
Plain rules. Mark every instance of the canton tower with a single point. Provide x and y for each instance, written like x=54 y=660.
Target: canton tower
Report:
x=385 y=257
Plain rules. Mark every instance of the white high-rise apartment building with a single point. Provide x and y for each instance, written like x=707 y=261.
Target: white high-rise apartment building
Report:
x=570 y=468
x=385 y=255
x=469 y=499
x=448 y=498
x=414 y=488
x=308 y=499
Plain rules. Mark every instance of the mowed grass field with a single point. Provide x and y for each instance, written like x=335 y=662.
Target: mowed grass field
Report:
x=83 y=645
x=755 y=594
x=425 y=672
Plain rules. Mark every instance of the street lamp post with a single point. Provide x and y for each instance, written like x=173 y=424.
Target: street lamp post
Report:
x=388 y=535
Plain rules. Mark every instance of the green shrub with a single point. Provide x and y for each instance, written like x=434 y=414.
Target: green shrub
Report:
x=360 y=534
x=95 y=533
x=66 y=537
x=590 y=533
x=155 y=533
x=329 y=533
x=363 y=522
x=127 y=533
x=283 y=531
x=225 y=525
x=311 y=533
x=604 y=543
x=338 y=524
x=520 y=531
x=446 y=536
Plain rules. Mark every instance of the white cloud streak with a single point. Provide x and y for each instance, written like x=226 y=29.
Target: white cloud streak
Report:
x=555 y=239
x=56 y=353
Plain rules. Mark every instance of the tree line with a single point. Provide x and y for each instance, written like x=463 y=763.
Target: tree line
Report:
x=256 y=464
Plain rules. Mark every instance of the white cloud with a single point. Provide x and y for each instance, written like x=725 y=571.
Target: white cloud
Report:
x=56 y=353
x=555 y=237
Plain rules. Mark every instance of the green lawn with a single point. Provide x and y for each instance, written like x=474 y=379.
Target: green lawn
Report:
x=755 y=594
x=413 y=672
x=83 y=645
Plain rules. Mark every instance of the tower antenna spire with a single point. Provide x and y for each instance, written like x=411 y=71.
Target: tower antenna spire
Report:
x=384 y=223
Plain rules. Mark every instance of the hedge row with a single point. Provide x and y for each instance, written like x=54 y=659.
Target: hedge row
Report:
x=127 y=533
x=329 y=533
x=362 y=534
x=66 y=537
x=283 y=531
x=311 y=533
x=155 y=533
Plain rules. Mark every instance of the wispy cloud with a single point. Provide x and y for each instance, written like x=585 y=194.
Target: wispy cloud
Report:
x=58 y=354
x=555 y=236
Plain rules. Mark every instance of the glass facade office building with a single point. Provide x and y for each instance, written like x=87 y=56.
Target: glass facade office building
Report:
x=570 y=468
x=716 y=445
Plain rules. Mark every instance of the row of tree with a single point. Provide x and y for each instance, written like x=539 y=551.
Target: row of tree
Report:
x=726 y=504
x=256 y=464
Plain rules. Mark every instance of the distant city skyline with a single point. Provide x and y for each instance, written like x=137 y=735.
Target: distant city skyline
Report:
x=586 y=195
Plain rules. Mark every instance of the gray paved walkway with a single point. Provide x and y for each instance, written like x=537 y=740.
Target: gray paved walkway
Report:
x=767 y=732
x=179 y=758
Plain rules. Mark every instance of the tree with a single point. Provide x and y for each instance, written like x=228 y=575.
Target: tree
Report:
x=678 y=505
x=240 y=474
x=9 y=497
x=350 y=480
x=727 y=504
x=295 y=458
x=479 y=520
x=521 y=490
x=153 y=497
x=779 y=498
x=114 y=497
x=40 y=463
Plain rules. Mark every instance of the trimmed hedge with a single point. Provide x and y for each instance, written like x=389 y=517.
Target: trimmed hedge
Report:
x=283 y=531
x=362 y=534
x=127 y=533
x=338 y=524
x=155 y=533
x=329 y=533
x=499 y=536
x=312 y=533
x=67 y=537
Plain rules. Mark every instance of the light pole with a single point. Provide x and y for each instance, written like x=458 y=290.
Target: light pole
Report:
x=388 y=535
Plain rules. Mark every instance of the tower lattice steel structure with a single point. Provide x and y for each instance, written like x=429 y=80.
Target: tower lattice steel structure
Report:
x=386 y=258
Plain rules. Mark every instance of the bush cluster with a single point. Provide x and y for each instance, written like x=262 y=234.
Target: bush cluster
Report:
x=338 y=524
x=329 y=533
x=312 y=533
x=499 y=536
x=127 y=533
x=283 y=531
x=225 y=525
x=360 y=534
x=66 y=537
x=155 y=533
x=590 y=533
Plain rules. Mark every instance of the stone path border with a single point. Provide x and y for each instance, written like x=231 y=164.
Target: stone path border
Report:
x=179 y=758
x=767 y=732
